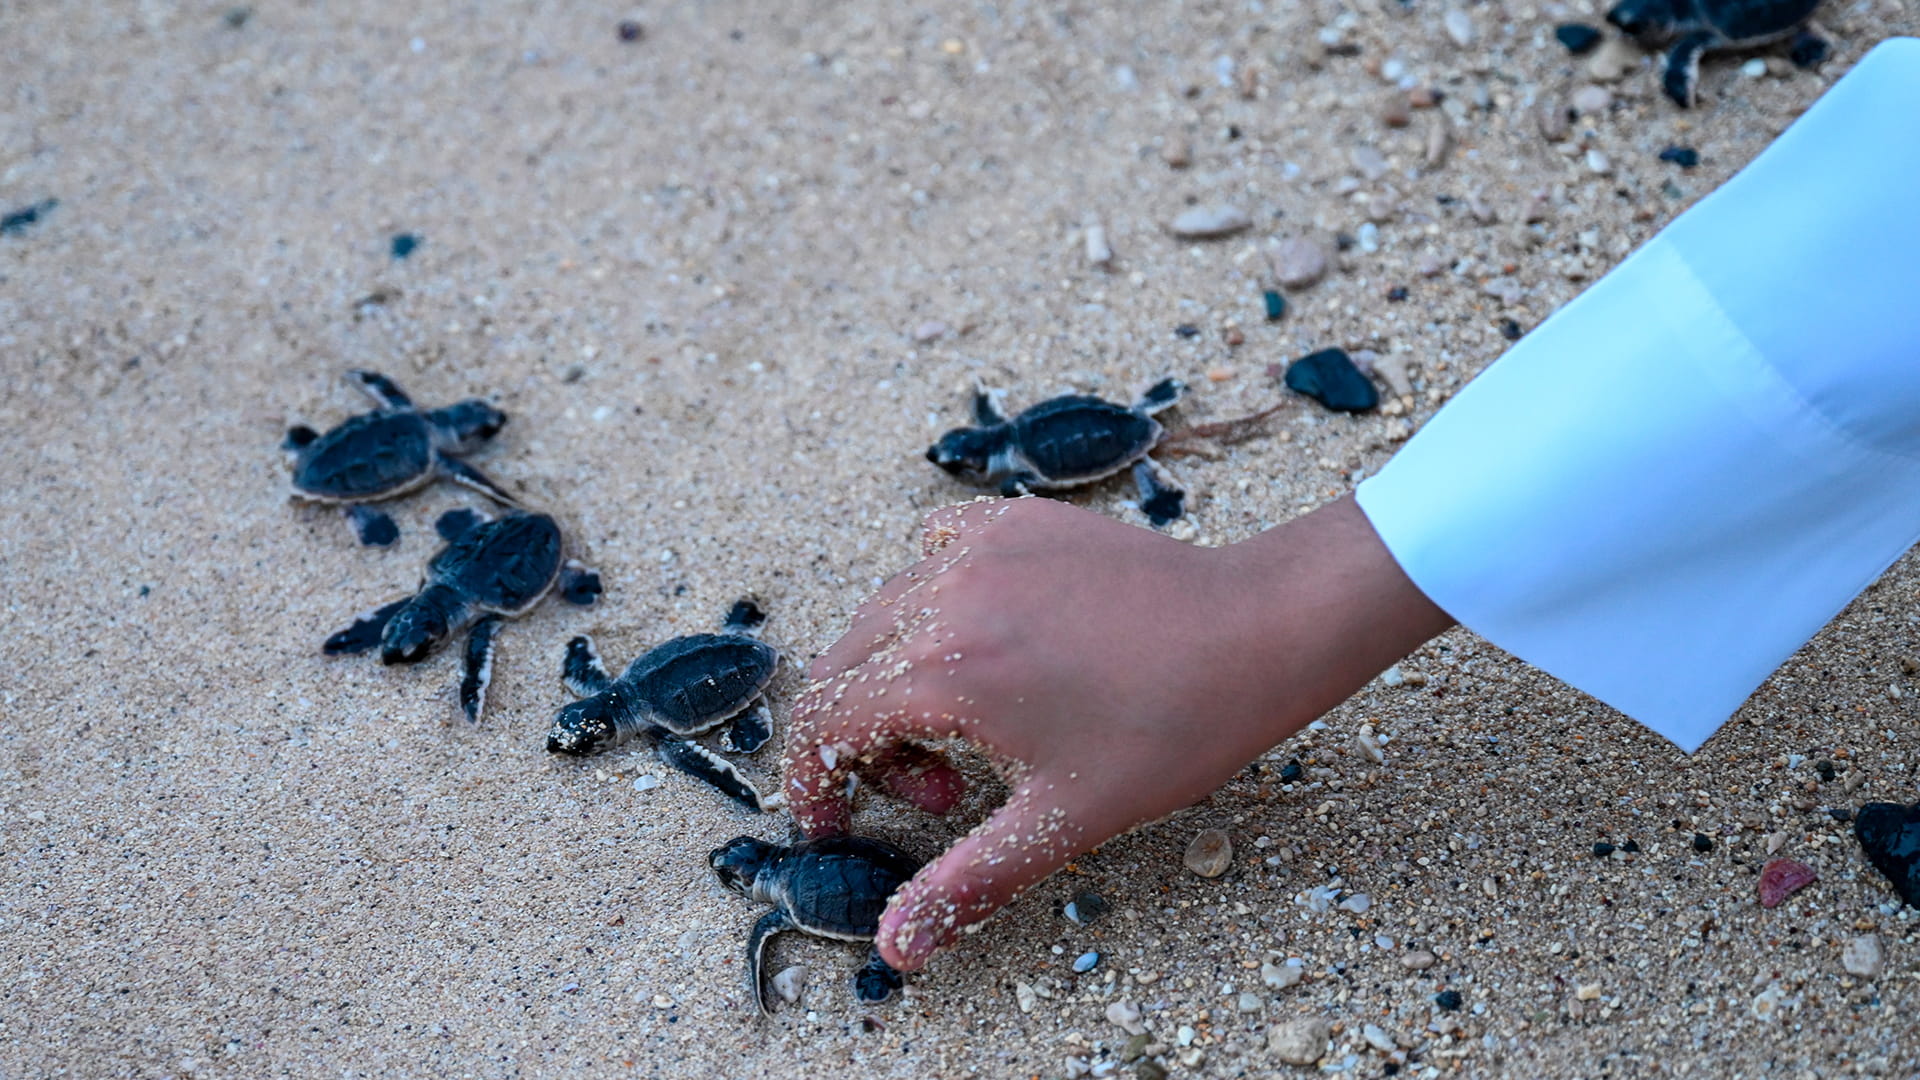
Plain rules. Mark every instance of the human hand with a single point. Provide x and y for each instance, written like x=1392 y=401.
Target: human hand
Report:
x=1112 y=674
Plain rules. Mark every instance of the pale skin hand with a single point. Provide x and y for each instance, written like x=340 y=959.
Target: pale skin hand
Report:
x=1113 y=675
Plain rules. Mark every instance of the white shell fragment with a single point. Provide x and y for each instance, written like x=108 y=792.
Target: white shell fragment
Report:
x=789 y=983
x=1207 y=222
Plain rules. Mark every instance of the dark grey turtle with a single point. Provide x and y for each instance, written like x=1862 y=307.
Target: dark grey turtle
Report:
x=391 y=451
x=489 y=572
x=1065 y=442
x=835 y=887
x=678 y=689
x=1691 y=28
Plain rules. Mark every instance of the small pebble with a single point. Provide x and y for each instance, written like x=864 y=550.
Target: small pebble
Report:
x=1510 y=330
x=1505 y=289
x=1448 y=1000
x=1358 y=903
x=1826 y=770
x=1186 y=330
x=1396 y=111
x=1275 y=303
x=1754 y=69
x=1889 y=833
x=1423 y=97
x=1086 y=908
x=1209 y=222
x=1459 y=27
x=1591 y=100
x=1602 y=849
x=1281 y=976
x=1863 y=956
x=1417 y=960
x=1369 y=748
x=646 y=782
x=631 y=31
x=1024 y=997
x=1378 y=1038
x=1099 y=252
x=1150 y=1070
x=1551 y=117
x=1126 y=1016
x=1249 y=1002
x=1291 y=772
x=1781 y=878
x=1598 y=162
x=1579 y=38
x=930 y=330
x=1234 y=337
x=1368 y=237
x=1702 y=842
x=1613 y=59
x=1209 y=854
x=1770 y=1004
x=789 y=983
x=1396 y=294
x=1085 y=962
x=403 y=244
x=1684 y=156
x=1298 y=262
x=1371 y=162
x=1439 y=142
x=1329 y=377
x=1177 y=152
x=1301 y=1042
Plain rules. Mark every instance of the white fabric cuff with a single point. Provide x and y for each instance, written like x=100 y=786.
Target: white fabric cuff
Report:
x=1668 y=487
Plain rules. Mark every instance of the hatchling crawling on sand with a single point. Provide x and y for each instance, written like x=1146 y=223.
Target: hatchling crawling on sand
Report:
x=1690 y=28
x=386 y=453
x=834 y=887
x=677 y=690
x=489 y=572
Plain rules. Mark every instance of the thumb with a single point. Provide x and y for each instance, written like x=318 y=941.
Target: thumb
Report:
x=1024 y=841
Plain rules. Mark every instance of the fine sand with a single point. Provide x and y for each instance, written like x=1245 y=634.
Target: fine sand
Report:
x=701 y=271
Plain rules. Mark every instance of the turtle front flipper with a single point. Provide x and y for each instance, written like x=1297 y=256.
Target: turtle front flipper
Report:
x=773 y=922
x=457 y=522
x=464 y=474
x=1160 y=499
x=298 y=436
x=477 y=673
x=697 y=761
x=1681 y=80
x=374 y=528
x=380 y=388
x=987 y=408
x=876 y=981
x=1808 y=50
x=579 y=585
x=581 y=672
x=744 y=617
x=365 y=633
x=1018 y=484
x=749 y=731
x=1164 y=394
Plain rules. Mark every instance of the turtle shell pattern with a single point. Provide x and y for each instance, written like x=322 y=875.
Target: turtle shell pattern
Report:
x=1077 y=437
x=696 y=681
x=838 y=885
x=504 y=565
x=1756 y=21
x=366 y=457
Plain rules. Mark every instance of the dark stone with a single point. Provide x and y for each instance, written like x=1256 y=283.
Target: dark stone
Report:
x=1344 y=241
x=1602 y=849
x=237 y=17
x=1579 y=38
x=1840 y=814
x=1291 y=772
x=1807 y=50
x=404 y=244
x=1397 y=294
x=1090 y=907
x=1187 y=330
x=25 y=216
x=1510 y=330
x=1448 y=1000
x=1684 y=156
x=1630 y=846
x=1276 y=305
x=1329 y=377
x=1702 y=842
x=1890 y=835
x=1825 y=769
x=630 y=30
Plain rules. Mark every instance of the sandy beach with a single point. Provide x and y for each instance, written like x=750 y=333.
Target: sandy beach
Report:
x=729 y=279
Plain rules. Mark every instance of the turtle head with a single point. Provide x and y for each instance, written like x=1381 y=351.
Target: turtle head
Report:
x=739 y=861
x=584 y=727
x=967 y=453
x=467 y=425
x=1647 y=20
x=420 y=627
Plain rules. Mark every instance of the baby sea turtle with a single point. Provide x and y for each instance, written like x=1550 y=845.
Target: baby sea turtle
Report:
x=391 y=451
x=1694 y=27
x=676 y=690
x=1065 y=442
x=834 y=887
x=489 y=572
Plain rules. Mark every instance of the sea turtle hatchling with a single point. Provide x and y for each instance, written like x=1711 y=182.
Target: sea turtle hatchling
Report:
x=834 y=887
x=676 y=690
x=489 y=572
x=395 y=449
x=1065 y=442
x=1690 y=28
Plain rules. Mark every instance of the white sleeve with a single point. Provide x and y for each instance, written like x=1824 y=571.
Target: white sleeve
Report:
x=1669 y=486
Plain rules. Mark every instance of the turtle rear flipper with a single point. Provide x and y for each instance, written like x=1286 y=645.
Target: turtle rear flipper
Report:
x=1808 y=50
x=745 y=617
x=456 y=523
x=697 y=761
x=1161 y=395
x=773 y=922
x=298 y=436
x=1681 y=79
x=581 y=672
x=365 y=633
x=749 y=731
x=579 y=585
x=477 y=673
x=380 y=388
x=462 y=473
x=1160 y=499
x=374 y=528
x=876 y=981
